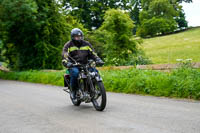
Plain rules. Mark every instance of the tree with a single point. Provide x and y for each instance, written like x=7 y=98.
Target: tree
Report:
x=34 y=33
x=187 y=1
x=182 y=23
x=91 y=12
x=17 y=21
x=157 y=17
x=120 y=47
x=180 y=18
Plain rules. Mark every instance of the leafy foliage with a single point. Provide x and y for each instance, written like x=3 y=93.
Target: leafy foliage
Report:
x=154 y=26
x=157 y=17
x=182 y=83
x=91 y=12
x=1 y=49
x=121 y=47
x=98 y=39
x=34 y=33
x=182 y=23
x=88 y=12
x=15 y=26
x=187 y=1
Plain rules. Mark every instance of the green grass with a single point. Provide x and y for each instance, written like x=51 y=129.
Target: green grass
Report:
x=181 y=83
x=166 y=49
x=53 y=78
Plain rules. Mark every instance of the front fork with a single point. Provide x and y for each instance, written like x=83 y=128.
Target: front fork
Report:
x=91 y=81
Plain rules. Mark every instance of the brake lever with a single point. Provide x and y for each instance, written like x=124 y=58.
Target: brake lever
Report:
x=90 y=61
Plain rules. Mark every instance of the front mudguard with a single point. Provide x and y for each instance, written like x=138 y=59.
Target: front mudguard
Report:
x=98 y=78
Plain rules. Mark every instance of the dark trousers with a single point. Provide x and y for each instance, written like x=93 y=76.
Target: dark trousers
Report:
x=74 y=71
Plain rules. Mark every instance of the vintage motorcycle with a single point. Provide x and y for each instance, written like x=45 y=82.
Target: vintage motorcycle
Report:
x=90 y=86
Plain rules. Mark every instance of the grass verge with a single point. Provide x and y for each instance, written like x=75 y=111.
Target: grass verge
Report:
x=181 y=83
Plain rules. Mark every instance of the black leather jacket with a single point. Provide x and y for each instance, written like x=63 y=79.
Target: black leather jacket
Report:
x=80 y=52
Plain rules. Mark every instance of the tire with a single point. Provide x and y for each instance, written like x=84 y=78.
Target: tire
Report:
x=100 y=106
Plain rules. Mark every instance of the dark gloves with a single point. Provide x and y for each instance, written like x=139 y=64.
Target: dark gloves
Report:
x=67 y=64
x=99 y=62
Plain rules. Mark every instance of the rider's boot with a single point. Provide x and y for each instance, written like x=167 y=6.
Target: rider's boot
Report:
x=73 y=94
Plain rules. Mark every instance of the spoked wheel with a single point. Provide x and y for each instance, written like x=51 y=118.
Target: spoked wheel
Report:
x=99 y=100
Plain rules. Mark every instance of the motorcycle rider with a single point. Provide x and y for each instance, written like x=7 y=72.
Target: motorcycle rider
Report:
x=80 y=51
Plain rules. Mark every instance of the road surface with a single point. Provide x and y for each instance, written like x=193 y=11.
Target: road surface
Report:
x=36 y=108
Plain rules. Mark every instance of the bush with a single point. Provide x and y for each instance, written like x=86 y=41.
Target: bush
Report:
x=117 y=43
x=182 y=83
x=97 y=39
x=156 y=26
x=34 y=33
x=157 y=17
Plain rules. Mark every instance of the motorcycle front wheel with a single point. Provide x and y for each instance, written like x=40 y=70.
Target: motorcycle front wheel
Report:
x=99 y=100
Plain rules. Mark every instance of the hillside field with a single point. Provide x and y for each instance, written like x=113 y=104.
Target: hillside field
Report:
x=166 y=49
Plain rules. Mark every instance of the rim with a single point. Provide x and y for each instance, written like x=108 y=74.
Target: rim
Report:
x=98 y=95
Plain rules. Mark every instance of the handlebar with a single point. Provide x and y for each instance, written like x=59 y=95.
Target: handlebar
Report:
x=91 y=63
x=77 y=65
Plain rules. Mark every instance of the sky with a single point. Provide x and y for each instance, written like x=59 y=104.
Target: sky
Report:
x=192 y=12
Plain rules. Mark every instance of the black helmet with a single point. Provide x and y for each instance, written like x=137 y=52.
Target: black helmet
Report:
x=76 y=32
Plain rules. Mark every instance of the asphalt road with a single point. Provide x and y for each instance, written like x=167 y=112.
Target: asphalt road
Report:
x=36 y=108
